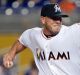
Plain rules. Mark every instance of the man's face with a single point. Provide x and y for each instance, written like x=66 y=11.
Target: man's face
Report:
x=53 y=26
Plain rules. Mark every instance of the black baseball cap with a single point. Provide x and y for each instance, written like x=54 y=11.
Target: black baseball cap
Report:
x=52 y=11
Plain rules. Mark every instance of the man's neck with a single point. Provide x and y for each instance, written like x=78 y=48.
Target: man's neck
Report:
x=49 y=34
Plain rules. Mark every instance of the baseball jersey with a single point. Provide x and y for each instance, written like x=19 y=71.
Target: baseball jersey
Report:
x=58 y=55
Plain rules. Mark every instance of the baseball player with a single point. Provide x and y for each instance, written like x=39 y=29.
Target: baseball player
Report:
x=56 y=48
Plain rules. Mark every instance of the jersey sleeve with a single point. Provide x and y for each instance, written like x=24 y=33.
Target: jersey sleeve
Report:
x=75 y=29
x=25 y=38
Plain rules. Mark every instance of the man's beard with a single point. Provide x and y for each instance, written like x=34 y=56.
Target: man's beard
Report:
x=54 y=33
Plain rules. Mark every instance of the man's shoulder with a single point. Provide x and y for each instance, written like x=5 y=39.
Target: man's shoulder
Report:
x=36 y=28
x=33 y=29
x=72 y=26
x=75 y=25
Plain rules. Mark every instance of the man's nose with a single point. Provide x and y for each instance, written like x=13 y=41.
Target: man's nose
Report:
x=58 y=22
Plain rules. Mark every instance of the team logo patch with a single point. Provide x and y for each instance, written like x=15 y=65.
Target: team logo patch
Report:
x=57 y=8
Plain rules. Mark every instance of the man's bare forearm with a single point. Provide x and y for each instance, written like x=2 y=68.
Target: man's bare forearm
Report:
x=16 y=48
x=8 y=57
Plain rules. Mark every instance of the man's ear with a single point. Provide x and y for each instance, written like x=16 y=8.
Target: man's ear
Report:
x=42 y=19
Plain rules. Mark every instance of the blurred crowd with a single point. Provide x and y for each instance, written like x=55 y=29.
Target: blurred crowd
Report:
x=66 y=5
x=23 y=7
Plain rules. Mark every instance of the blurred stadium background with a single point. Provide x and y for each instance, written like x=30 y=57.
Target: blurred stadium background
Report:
x=19 y=15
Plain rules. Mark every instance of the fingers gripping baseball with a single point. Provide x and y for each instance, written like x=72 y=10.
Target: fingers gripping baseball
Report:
x=7 y=61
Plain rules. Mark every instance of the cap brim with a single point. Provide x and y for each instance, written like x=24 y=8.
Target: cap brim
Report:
x=64 y=16
x=61 y=15
x=58 y=17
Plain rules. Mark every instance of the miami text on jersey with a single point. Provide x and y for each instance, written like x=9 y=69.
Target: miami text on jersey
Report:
x=53 y=56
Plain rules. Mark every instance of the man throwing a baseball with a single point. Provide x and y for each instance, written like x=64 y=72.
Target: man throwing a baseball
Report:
x=56 y=47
